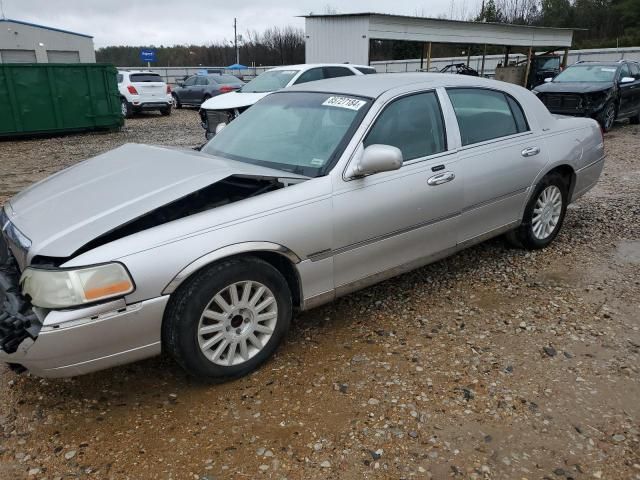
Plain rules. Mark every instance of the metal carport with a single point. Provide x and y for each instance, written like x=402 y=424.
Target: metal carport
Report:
x=346 y=37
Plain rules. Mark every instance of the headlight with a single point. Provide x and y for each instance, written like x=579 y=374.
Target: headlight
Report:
x=61 y=288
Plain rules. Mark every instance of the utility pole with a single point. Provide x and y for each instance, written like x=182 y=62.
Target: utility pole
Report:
x=235 y=37
x=2 y=10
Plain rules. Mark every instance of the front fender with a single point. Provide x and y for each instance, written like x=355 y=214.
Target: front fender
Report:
x=224 y=252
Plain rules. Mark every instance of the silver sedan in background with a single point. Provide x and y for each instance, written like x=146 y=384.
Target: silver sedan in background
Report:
x=312 y=193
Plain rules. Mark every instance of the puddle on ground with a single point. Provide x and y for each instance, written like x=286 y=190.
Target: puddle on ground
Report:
x=629 y=251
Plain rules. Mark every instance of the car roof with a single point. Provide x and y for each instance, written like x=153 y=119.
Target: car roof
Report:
x=616 y=63
x=307 y=66
x=138 y=71
x=375 y=85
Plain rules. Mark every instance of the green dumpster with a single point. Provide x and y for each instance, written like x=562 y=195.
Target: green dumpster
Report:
x=50 y=98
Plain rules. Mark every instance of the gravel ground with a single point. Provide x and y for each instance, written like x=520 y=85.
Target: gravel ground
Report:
x=494 y=363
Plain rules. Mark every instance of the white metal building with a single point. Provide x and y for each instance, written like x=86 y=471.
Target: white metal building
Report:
x=346 y=37
x=23 y=42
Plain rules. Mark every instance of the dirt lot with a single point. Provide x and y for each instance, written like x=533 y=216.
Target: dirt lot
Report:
x=495 y=363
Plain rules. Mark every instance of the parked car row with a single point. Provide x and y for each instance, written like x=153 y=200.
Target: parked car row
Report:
x=317 y=190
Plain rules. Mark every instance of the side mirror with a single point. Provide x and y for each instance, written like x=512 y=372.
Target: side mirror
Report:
x=219 y=127
x=627 y=80
x=377 y=158
x=548 y=79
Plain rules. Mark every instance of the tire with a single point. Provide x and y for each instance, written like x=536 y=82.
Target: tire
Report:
x=125 y=108
x=635 y=120
x=166 y=111
x=186 y=342
x=532 y=234
x=176 y=101
x=607 y=116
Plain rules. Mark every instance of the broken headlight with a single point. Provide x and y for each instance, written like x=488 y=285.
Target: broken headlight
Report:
x=64 y=288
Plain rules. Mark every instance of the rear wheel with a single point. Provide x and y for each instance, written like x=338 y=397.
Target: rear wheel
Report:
x=166 y=111
x=607 y=116
x=543 y=215
x=635 y=120
x=228 y=319
x=125 y=108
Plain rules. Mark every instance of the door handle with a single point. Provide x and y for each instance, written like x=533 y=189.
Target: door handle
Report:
x=530 y=152
x=441 y=178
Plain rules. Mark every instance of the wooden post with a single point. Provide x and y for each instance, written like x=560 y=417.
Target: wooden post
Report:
x=468 y=55
x=424 y=47
x=484 y=54
x=428 y=56
x=528 y=68
x=506 y=56
x=565 y=58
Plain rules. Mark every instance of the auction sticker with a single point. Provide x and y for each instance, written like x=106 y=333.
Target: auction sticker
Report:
x=344 y=102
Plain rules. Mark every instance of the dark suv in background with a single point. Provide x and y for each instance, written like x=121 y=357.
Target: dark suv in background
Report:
x=606 y=91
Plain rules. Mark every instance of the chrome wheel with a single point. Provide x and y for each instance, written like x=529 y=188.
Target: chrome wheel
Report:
x=174 y=101
x=237 y=323
x=546 y=212
x=124 y=109
x=609 y=116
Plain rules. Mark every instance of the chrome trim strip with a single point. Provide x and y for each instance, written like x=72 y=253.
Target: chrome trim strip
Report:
x=314 y=257
x=228 y=251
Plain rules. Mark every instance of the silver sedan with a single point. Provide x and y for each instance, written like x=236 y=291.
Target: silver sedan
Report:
x=312 y=193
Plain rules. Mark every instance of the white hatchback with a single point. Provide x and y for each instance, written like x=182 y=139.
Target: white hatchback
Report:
x=143 y=90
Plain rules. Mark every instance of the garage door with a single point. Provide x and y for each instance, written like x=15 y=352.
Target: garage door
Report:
x=18 y=56
x=63 y=56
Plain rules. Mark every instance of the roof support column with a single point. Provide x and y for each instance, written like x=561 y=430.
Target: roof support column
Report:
x=528 y=68
x=506 y=56
x=468 y=55
x=565 y=58
x=484 y=54
x=429 y=56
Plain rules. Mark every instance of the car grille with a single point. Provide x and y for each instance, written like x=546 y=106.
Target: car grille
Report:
x=17 y=320
x=215 y=117
x=562 y=102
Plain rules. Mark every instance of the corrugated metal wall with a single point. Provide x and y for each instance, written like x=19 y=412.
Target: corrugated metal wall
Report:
x=337 y=40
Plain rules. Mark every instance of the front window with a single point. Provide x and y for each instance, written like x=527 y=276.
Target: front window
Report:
x=549 y=63
x=297 y=132
x=269 y=81
x=587 y=73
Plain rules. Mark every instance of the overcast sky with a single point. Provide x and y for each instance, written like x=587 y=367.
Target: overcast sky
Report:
x=169 y=22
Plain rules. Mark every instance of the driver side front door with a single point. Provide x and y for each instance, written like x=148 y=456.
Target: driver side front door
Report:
x=391 y=222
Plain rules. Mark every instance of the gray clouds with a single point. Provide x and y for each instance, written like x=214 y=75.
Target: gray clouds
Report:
x=169 y=22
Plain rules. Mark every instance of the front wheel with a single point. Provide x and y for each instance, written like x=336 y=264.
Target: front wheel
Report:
x=544 y=214
x=228 y=319
x=607 y=116
x=176 y=101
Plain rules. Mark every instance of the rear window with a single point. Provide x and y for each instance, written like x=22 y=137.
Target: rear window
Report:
x=366 y=71
x=145 y=77
x=224 y=79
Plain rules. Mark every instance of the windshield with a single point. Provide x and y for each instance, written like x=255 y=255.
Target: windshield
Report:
x=269 y=81
x=587 y=73
x=298 y=132
x=551 y=63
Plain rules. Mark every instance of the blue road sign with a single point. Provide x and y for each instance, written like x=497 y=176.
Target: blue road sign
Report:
x=148 y=55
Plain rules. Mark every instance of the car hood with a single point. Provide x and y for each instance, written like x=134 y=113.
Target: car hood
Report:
x=233 y=100
x=573 y=87
x=66 y=211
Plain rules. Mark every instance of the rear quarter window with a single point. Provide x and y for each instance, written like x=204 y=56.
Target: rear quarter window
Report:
x=366 y=71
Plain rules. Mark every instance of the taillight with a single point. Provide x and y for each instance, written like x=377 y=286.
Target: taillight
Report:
x=132 y=90
x=226 y=89
x=168 y=89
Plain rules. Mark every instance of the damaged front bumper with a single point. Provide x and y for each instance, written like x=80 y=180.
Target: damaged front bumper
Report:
x=64 y=343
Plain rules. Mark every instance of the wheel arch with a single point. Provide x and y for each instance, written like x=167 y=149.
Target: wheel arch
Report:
x=278 y=256
x=567 y=172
